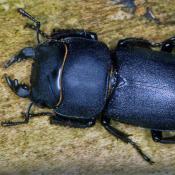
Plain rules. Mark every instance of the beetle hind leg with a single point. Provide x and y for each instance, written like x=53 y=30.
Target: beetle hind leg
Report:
x=25 y=53
x=124 y=137
x=21 y=90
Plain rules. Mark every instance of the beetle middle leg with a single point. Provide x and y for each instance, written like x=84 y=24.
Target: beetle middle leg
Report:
x=158 y=137
x=124 y=137
x=136 y=42
x=168 y=45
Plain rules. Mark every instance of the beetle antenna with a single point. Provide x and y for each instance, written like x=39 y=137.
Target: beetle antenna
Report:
x=25 y=121
x=37 y=23
x=33 y=27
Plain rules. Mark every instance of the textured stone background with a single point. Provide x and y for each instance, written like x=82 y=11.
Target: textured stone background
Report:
x=39 y=148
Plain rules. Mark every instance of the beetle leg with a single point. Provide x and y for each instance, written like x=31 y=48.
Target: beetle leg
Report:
x=158 y=137
x=168 y=45
x=72 y=122
x=124 y=137
x=136 y=42
x=25 y=121
x=22 y=90
x=59 y=34
x=27 y=52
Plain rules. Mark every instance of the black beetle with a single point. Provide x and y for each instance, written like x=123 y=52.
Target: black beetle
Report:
x=79 y=78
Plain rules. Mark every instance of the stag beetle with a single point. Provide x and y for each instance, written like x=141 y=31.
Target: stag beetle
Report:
x=78 y=77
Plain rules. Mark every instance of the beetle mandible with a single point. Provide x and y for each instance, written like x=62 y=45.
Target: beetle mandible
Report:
x=79 y=78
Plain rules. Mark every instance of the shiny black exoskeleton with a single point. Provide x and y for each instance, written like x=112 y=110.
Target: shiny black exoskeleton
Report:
x=79 y=78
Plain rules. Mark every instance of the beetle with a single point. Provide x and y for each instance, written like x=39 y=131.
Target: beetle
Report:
x=79 y=78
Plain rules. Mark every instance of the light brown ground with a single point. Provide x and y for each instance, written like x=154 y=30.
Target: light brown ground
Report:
x=39 y=148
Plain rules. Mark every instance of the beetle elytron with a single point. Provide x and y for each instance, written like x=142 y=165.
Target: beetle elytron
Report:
x=77 y=76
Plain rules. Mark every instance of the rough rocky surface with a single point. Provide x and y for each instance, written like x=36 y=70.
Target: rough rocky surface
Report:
x=39 y=148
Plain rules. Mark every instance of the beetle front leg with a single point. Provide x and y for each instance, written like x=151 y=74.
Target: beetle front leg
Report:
x=59 y=34
x=124 y=137
x=25 y=53
x=158 y=137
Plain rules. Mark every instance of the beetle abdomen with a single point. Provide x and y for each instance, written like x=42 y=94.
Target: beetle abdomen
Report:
x=145 y=91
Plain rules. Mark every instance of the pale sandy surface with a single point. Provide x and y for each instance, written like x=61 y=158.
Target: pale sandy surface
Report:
x=39 y=148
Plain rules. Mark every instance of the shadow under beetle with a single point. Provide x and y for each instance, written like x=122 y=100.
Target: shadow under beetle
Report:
x=79 y=78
